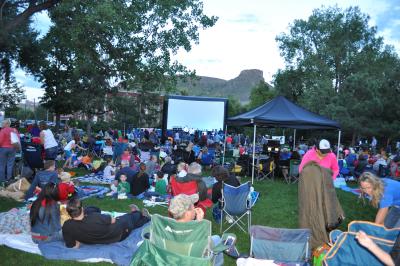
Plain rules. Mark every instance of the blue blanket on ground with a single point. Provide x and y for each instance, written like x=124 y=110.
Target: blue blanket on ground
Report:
x=120 y=253
x=94 y=179
x=89 y=191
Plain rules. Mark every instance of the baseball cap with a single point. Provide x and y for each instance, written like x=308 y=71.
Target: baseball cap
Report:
x=182 y=203
x=324 y=146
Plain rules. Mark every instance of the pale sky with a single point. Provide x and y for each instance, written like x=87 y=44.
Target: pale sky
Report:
x=244 y=35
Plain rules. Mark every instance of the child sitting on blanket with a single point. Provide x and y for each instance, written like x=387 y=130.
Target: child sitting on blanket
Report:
x=86 y=161
x=113 y=188
x=109 y=170
x=124 y=188
x=161 y=185
x=66 y=189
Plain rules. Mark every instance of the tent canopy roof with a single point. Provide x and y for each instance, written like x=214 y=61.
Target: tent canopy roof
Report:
x=280 y=112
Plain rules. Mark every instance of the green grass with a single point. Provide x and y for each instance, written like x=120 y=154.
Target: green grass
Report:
x=277 y=207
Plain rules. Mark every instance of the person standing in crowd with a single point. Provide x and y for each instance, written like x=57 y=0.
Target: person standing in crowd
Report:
x=7 y=151
x=323 y=156
x=48 y=141
x=385 y=195
x=374 y=143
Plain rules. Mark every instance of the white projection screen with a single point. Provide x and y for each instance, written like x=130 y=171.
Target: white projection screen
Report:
x=198 y=113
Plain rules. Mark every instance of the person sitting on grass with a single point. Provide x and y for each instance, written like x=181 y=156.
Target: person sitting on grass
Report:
x=123 y=186
x=43 y=177
x=161 y=185
x=140 y=182
x=109 y=170
x=126 y=170
x=97 y=228
x=86 y=161
x=45 y=215
x=194 y=174
x=221 y=174
x=385 y=195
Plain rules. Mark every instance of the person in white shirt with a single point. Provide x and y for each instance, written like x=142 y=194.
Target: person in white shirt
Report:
x=68 y=151
x=48 y=141
x=109 y=170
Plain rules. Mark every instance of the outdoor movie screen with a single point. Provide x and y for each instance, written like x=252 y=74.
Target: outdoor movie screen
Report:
x=198 y=113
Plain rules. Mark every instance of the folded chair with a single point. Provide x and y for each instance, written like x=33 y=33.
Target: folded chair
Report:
x=236 y=205
x=294 y=171
x=280 y=244
x=174 y=243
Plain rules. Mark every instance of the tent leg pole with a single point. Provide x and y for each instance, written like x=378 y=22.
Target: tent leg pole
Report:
x=254 y=153
x=223 y=155
x=338 y=145
x=294 y=139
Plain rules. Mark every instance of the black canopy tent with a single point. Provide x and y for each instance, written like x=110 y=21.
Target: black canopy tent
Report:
x=280 y=112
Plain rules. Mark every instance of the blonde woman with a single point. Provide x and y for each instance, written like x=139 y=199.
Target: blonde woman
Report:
x=385 y=195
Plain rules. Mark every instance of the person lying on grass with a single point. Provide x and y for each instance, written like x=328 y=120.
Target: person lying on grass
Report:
x=97 y=228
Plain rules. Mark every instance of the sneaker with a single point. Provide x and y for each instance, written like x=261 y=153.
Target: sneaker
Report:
x=232 y=252
x=229 y=219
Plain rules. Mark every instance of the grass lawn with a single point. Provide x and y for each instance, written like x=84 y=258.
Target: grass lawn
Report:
x=276 y=207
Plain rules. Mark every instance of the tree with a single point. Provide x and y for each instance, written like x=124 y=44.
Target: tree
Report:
x=338 y=67
x=18 y=44
x=260 y=94
x=113 y=44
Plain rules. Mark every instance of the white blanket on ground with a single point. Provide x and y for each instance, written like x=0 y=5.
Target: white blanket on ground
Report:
x=24 y=242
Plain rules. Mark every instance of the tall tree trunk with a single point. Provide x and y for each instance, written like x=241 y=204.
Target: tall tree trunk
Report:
x=353 y=139
x=58 y=116
x=89 y=124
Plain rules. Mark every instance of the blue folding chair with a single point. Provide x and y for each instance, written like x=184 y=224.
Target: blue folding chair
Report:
x=236 y=205
x=282 y=245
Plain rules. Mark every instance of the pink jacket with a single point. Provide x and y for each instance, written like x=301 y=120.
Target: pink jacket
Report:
x=329 y=161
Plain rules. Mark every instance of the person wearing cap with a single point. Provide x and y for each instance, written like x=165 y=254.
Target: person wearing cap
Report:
x=322 y=155
x=182 y=209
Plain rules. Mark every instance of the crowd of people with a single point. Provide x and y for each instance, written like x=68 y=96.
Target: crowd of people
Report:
x=146 y=164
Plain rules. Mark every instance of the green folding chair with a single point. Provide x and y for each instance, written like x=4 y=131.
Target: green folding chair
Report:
x=175 y=243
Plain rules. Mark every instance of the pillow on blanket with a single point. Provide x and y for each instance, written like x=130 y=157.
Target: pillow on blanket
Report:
x=120 y=253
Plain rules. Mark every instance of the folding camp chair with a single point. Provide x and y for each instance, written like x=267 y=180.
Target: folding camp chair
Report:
x=265 y=168
x=236 y=204
x=280 y=244
x=347 y=250
x=174 y=243
x=294 y=171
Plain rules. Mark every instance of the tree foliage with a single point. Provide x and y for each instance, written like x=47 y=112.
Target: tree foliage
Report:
x=337 y=66
x=18 y=45
x=260 y=94
x=107 y=45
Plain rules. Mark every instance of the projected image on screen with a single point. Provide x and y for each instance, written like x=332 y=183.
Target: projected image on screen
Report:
x=199 y=115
